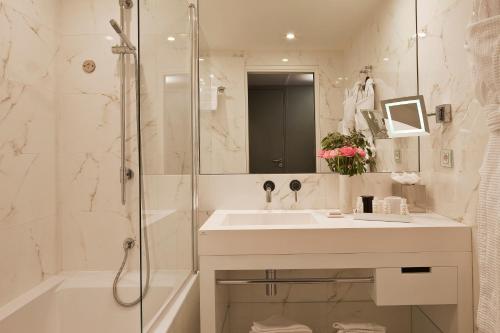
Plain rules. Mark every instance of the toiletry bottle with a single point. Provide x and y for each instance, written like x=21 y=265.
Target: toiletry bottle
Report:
x=376 y=208
x=403 y=210
x=387 y=207
x=359 y=205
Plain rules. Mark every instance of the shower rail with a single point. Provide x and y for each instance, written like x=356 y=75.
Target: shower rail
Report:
x=193 y=16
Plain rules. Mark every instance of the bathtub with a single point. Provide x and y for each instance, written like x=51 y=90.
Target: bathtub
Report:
x=82 y=302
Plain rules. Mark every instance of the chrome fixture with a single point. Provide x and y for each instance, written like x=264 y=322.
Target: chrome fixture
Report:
x=269 y=187
x=366 y=70
x=221 y=90
x=127 y=4
x=443 y=113
x=123 y=36
x=295 y=186
x=271 y=288
x=127 y=48
x=369 y=279
x=88 y=66
x=195 y=123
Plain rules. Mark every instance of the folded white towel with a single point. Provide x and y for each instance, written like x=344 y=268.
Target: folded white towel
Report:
x=279 y=324
x=358 y=328
x=283 y=331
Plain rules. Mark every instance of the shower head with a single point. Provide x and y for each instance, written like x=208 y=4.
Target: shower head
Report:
x=122 y=35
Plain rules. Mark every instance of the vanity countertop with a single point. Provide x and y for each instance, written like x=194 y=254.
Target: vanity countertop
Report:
x=427 y=232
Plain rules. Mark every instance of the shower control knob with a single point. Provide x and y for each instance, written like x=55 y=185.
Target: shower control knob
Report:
x=128 y=243
x=129 y=174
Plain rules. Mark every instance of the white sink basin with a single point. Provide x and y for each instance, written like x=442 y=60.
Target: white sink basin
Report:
x=263 y=218
x=242 y=232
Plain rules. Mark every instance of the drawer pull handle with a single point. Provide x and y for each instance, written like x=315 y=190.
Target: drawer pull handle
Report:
x=411 y=270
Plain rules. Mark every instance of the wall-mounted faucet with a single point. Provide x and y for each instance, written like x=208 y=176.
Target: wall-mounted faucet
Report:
x=295 y=186
x=269 y=187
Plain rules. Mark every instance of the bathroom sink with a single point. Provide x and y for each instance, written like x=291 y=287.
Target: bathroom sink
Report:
x=268 y=218
x=242 y=232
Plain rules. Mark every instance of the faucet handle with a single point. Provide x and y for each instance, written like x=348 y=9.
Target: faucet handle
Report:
x=295 y=186
x=269 y=184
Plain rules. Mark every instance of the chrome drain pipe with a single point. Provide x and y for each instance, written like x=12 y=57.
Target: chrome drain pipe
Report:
x=271 y=288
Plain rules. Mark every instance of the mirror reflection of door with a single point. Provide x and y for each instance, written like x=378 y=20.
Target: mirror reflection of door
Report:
x=281 y=123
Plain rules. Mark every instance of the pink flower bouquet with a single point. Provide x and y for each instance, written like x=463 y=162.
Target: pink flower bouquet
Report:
x=346 y=154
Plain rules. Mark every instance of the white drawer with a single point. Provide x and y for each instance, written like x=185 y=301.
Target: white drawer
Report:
x=415 y=286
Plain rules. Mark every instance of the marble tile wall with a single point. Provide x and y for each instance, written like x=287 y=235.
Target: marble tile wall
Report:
x=445 y=77
x=223 y=131
x=392 y=54
x=60 y=139
x=92 y=219
x=29 y=42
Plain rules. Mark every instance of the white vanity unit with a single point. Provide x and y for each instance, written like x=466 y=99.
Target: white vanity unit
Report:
x=426 y=262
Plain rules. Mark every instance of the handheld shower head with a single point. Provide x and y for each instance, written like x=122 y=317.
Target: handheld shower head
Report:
x=122 y=35
x=115 y=26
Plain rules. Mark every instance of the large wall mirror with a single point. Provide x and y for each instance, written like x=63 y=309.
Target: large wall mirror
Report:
x=278 y=76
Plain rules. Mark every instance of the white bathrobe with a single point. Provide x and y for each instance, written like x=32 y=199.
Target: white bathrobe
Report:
x=484 y=45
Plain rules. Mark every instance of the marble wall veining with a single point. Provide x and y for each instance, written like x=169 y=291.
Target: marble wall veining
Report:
x=445 y=77
x=392 y=54
x=91 y=217
x=28 y=224
x=224 y=142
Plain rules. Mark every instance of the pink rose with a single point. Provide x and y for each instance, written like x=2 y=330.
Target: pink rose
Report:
x=321 y=153
x=361 y=152
x=347 y=151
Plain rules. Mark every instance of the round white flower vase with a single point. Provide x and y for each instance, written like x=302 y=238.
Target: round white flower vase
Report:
x=345 y=194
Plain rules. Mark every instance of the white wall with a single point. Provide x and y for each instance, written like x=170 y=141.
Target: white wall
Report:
x=29 y=42
x=223 y=132
x=92 y=219
x=445 y=77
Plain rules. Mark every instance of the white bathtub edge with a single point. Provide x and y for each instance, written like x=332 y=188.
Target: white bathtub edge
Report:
x=168 y=315
x=27 y=297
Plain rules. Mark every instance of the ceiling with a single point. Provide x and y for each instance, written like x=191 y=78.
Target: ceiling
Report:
x=263 y=24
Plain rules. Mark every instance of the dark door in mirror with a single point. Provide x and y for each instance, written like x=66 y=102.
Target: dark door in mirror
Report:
x=281 y=123
x=266 y=110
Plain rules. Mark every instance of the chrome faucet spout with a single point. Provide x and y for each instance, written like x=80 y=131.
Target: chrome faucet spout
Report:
x=269 y=197
x=269 y=188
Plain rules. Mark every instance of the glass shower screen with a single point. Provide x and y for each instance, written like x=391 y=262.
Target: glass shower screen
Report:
x=165 y=46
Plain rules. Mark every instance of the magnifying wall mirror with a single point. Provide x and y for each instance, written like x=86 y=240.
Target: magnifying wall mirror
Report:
x=406 y=116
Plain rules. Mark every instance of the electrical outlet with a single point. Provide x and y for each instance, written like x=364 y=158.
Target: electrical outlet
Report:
x=447 y=158
x=397 y=156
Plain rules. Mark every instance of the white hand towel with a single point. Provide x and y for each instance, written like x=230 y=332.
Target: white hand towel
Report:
x=358 y=327
x=279 y=324
x=208 y=98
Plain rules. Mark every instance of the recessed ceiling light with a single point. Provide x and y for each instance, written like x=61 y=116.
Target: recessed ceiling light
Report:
x=202 y=59
x=109 y=37
x=284 y=59
x=171 y=38
x=290 y=36
x=212 y=76
x=386 y=59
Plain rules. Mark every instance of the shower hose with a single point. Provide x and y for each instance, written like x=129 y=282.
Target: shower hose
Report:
x=128 y=244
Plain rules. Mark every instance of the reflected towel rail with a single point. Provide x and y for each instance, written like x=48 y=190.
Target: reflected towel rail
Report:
x=370 y=279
